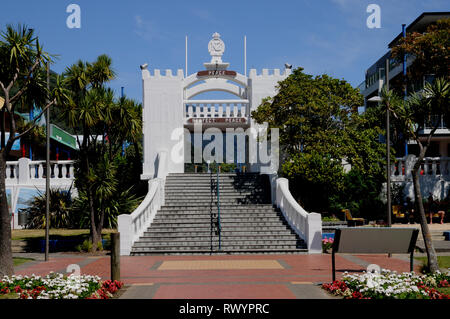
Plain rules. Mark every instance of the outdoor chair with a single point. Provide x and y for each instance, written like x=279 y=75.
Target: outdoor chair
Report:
x=399 y=215
x=352 y=221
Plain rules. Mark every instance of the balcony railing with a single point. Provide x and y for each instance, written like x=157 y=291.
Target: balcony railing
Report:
x=216 y=111
x=436 y=120
x=430 y=166
x=27 y=172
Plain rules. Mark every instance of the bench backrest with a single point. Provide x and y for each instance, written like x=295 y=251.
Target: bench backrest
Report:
x=371 y=240
x=348 y=216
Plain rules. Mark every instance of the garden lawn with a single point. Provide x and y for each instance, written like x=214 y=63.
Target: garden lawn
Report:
x=24 y=234
x=443 y=261
x=19 y=261
x=68 y=239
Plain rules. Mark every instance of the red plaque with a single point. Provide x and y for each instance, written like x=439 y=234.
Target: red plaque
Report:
x=216 y=73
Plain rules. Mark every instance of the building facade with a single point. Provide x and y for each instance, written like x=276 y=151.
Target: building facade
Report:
x=173 y=118
x=435 y=171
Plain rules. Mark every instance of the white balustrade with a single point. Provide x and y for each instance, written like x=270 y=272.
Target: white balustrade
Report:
x=131 y=226
x=216 y=109
x=307 y=225
x=430 y=166
x=26 y=172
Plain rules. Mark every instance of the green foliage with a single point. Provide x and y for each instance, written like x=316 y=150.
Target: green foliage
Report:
x=320 y=130
x=86 y=246
x=100 y=246
x=105 y=178
x=59 y=211
x=430 y=49
x=361 y=195
x=124 y=202
x=330 y=219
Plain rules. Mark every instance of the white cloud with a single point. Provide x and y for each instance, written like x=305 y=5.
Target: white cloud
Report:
x=147 y=29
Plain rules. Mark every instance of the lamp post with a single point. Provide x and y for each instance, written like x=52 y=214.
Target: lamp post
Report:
x=388 y=162
x=47 y=175
x=388 y=150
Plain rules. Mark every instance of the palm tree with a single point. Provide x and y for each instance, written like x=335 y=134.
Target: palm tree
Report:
x=418 y=110
x=22 y=74
x=94 y=112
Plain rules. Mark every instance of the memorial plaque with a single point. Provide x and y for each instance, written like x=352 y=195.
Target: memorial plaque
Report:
x=216 y=73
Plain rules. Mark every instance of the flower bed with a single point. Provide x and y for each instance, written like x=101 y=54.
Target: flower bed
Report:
x=327 y=243
x=59 y=286
x=390 y=285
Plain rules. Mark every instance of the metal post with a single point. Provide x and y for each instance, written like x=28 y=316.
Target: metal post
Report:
x=333 y=265
x=47 y=175
x=405 y=81
x=388 y=153
x=115 y=256
x=218 y=205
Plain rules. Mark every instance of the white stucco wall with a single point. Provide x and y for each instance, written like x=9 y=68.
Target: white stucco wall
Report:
x=162 y=114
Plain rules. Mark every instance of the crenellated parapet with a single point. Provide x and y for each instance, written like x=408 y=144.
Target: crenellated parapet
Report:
x=157 y=74
x=269 y=73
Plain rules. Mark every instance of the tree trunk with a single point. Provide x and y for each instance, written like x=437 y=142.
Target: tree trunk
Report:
x=94 y=234
x=431 y=253
x=6 y=261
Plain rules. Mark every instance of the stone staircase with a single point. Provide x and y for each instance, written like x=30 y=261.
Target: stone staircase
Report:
x=188 y=222
x=440 y=244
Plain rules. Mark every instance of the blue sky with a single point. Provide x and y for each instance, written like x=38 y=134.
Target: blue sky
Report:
x=322 y=36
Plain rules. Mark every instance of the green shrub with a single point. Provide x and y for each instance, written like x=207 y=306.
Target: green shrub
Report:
x=86 y=246
x=60 y=214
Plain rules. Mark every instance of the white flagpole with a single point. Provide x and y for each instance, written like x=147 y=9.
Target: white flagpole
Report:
x=186 y=58
x=245 y=55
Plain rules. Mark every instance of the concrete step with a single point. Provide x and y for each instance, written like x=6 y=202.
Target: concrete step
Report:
x=225 y=223
x=214 y=176
x=180 y=237
x=151 y=232
x=224 y=246
x=223 y=216
x=207 y=228
x=207 y=197
x=207 y=241
x=193 y=206
x=206 y=202
x=207 y=210
x=207 y=215
x=19 y=246
x=207 y=192
x=222 y=251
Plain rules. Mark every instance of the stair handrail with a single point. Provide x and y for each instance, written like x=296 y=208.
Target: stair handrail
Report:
x=211 y=215
x=218 y=206
x=132 y=226
x=307 y=225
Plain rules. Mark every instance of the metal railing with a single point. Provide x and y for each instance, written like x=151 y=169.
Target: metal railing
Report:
x=219 y=226
x=215 y=222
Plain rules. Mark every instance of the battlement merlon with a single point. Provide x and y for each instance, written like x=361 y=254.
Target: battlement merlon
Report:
x=266 y=74
x=157 y=74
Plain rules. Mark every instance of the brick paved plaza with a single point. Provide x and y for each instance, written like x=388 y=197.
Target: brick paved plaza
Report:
x=220 y=276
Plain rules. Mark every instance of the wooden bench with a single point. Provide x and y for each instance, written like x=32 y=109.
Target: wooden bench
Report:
x=374 y=240
x=352 y=221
